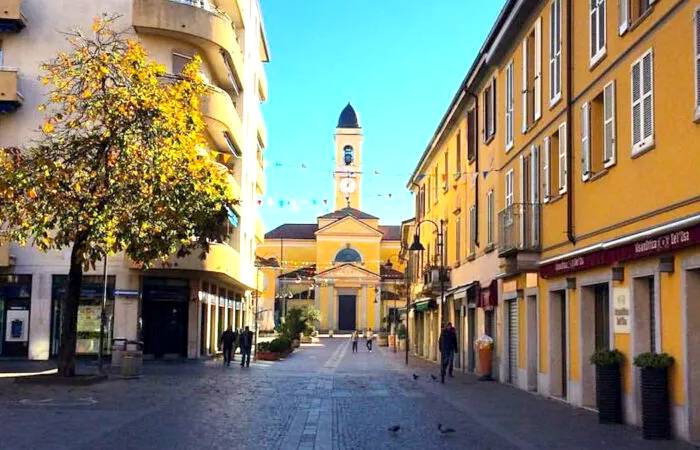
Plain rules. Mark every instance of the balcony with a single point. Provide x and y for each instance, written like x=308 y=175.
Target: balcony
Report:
x=262 y=130
x=222 y=259
x=519 y=234
x=221 y=116
x=260 y=181
x=434 y=280
x=233 y=9
x=11 y=18
x=259 y=230
x=200 y=24
x=10 y=96
x=262 y=84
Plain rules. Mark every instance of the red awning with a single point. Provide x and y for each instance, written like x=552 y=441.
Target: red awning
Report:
x=488 y=298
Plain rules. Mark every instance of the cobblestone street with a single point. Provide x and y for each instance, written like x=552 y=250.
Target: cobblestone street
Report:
x=322 y=397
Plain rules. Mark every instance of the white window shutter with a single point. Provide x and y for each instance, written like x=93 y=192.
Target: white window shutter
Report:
x=636 y=103
x=521 y=186
x=545 y=170
x=697 y=63
x=535 y=175
x=524 y=86
x=585 y=141
x=648 y=96
x=623 y=9
x=593 y=26
x=562 y=158
x=537 y=89
x=609 y=137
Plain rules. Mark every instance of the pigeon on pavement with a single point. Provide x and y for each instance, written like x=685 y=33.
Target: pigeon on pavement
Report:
x=445 y=430
x=433 y=377
x=415 y=377
x=394 y=428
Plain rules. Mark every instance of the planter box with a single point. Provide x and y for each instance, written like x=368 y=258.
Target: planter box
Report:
x=656 y=414
x=382 y=341
x=268 y=356
x=609 y=393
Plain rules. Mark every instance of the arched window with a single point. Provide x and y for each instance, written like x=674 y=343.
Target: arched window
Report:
x=348 y=255
x=348 y=155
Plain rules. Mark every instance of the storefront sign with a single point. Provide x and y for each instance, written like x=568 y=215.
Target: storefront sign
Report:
x=621 y=310
x=608 y=256
x=17 y=325
x=126 y=293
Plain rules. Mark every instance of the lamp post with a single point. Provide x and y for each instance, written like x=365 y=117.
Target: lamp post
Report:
x=416 y=246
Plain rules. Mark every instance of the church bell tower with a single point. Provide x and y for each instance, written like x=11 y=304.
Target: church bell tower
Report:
x=348 y=159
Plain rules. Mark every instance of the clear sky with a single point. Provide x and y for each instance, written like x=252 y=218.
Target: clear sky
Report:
x=398 y=61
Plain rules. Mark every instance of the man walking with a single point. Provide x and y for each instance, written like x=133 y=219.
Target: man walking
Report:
x=448 y=347
x=354 y=338
x=246 y=343
x=370 y=336
x=227 y=340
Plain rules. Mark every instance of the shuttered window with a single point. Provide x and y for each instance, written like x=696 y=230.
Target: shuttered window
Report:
x=490 y=111
x=537 y=88
x=525 y=106
x=458 y=155
x=697 y=63
x=597 y=29
x=554 y=52
x=509 y=106
x=562 y=158
x=585 y=141
x=490 y=215
x=535 y=193
x=545 y=170
x=623 y=13
x=643 y=103
x=472 y=139
x=458 y=239
x=609 y=137
x=509 y=188
x=472 y=231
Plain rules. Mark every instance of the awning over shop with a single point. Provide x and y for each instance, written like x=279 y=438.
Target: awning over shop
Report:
x=488 y=298
x=464 y=290
x=424 y=304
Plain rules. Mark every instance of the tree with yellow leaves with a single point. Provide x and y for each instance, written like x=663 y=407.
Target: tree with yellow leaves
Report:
x=121 y=165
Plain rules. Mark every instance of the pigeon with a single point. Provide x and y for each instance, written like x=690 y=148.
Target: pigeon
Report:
x=415 y=377
x=433 y=377
x=394 y=428
x=445 y=430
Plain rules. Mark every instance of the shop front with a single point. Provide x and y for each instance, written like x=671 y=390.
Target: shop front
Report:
x=89 y=313
x=636 y=294
x=15 y=301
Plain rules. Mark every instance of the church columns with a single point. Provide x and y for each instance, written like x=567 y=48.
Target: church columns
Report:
x=363 y=307
x=377 y=309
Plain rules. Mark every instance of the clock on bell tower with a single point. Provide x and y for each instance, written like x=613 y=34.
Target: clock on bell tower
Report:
x=348 y=158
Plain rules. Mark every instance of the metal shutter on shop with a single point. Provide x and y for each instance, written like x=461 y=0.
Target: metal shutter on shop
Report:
x=512 y=341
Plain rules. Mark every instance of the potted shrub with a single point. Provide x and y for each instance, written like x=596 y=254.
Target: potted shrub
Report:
x=281 y=346
x=401 y=335
x=608 y=385
x=263 y=352
x=656 y=414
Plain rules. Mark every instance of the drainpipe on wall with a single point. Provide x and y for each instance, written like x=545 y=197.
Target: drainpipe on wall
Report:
x=569 y=141
x=476 y=164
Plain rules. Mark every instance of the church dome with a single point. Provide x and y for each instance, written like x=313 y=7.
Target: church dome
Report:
x=348 y=118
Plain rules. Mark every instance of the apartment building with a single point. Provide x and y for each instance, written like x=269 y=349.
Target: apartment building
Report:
x=180 y=308
x=587 y=120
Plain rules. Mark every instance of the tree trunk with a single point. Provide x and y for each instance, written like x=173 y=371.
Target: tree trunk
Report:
x=69 y=311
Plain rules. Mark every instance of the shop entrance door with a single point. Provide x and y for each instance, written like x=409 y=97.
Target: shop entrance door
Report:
x=346 y=312
x=164 y=312
x=15 y=300
x=471 y=333
x=512 y=341
x=692 y=314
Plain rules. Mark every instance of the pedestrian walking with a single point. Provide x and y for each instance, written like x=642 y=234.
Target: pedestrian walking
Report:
x=354 y=338
x=370 y=337
x=228 y=338
x=246 y=343
x=448 y=346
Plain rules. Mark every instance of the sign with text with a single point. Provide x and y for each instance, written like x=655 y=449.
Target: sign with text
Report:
x=17 y=325
x=621 y=310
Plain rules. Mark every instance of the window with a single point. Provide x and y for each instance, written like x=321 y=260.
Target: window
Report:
x=546 y=169
x=631 y=11
x=643 y=103
x=445 y=176
x=555 y=52
x=180 y=61
x=490 y=212
x=233 y=148
x=472 y=140
x=509 y=188
x=348 y=255
x=348 y=155
x=472 y=231
x=562 y=158
x=697 y=63
x=598 y=132
x=231 y=73
x=509 y=106
x=458 y=239
x=490 y=111
x=532 y=77
x=597 y=29
x=458 y=155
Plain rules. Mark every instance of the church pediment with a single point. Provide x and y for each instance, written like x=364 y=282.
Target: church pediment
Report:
x=349 y=226
x=349 y=271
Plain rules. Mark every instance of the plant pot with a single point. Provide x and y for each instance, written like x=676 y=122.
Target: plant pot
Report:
x=268 y=356
x=608 y=393
x=485 y=361
x=656 y=418
x=382 y=341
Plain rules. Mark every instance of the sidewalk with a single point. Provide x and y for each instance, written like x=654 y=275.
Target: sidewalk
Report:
x=526 y=420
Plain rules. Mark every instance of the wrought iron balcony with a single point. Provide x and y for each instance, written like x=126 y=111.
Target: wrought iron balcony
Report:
x=433 y=276
x=519 y=229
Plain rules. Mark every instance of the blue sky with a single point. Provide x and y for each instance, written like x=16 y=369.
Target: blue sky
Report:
x=398 y=61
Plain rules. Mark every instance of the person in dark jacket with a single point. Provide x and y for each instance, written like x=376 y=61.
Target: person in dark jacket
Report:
x=246 y=344
x=227 y=341
x=448 y=347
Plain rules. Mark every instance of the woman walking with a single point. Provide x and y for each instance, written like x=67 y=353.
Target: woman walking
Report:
x=354 y=339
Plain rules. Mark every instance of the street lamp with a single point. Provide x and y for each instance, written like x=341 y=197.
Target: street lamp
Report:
x=416 y=246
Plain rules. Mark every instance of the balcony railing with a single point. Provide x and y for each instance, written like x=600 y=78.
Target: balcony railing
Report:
x=519 y=228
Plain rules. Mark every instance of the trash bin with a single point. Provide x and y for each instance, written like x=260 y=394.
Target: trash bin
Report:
x=118 y=349
x=131 y=364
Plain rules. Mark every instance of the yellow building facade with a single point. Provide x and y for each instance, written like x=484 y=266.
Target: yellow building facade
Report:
x=345 y=264
x=585 y=125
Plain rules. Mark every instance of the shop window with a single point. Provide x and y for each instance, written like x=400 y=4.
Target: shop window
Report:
x=598 y=132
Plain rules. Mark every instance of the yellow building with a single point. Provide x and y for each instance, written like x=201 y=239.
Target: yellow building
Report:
x=178 y=309
x=345 y=264
x=587 y=118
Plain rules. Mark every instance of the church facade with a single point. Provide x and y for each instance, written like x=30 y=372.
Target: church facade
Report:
x=345 y=263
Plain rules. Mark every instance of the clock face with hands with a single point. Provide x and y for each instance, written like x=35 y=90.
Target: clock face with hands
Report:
x=347 y=185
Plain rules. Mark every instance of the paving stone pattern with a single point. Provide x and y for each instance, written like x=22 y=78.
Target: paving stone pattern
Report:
x=321 y=397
